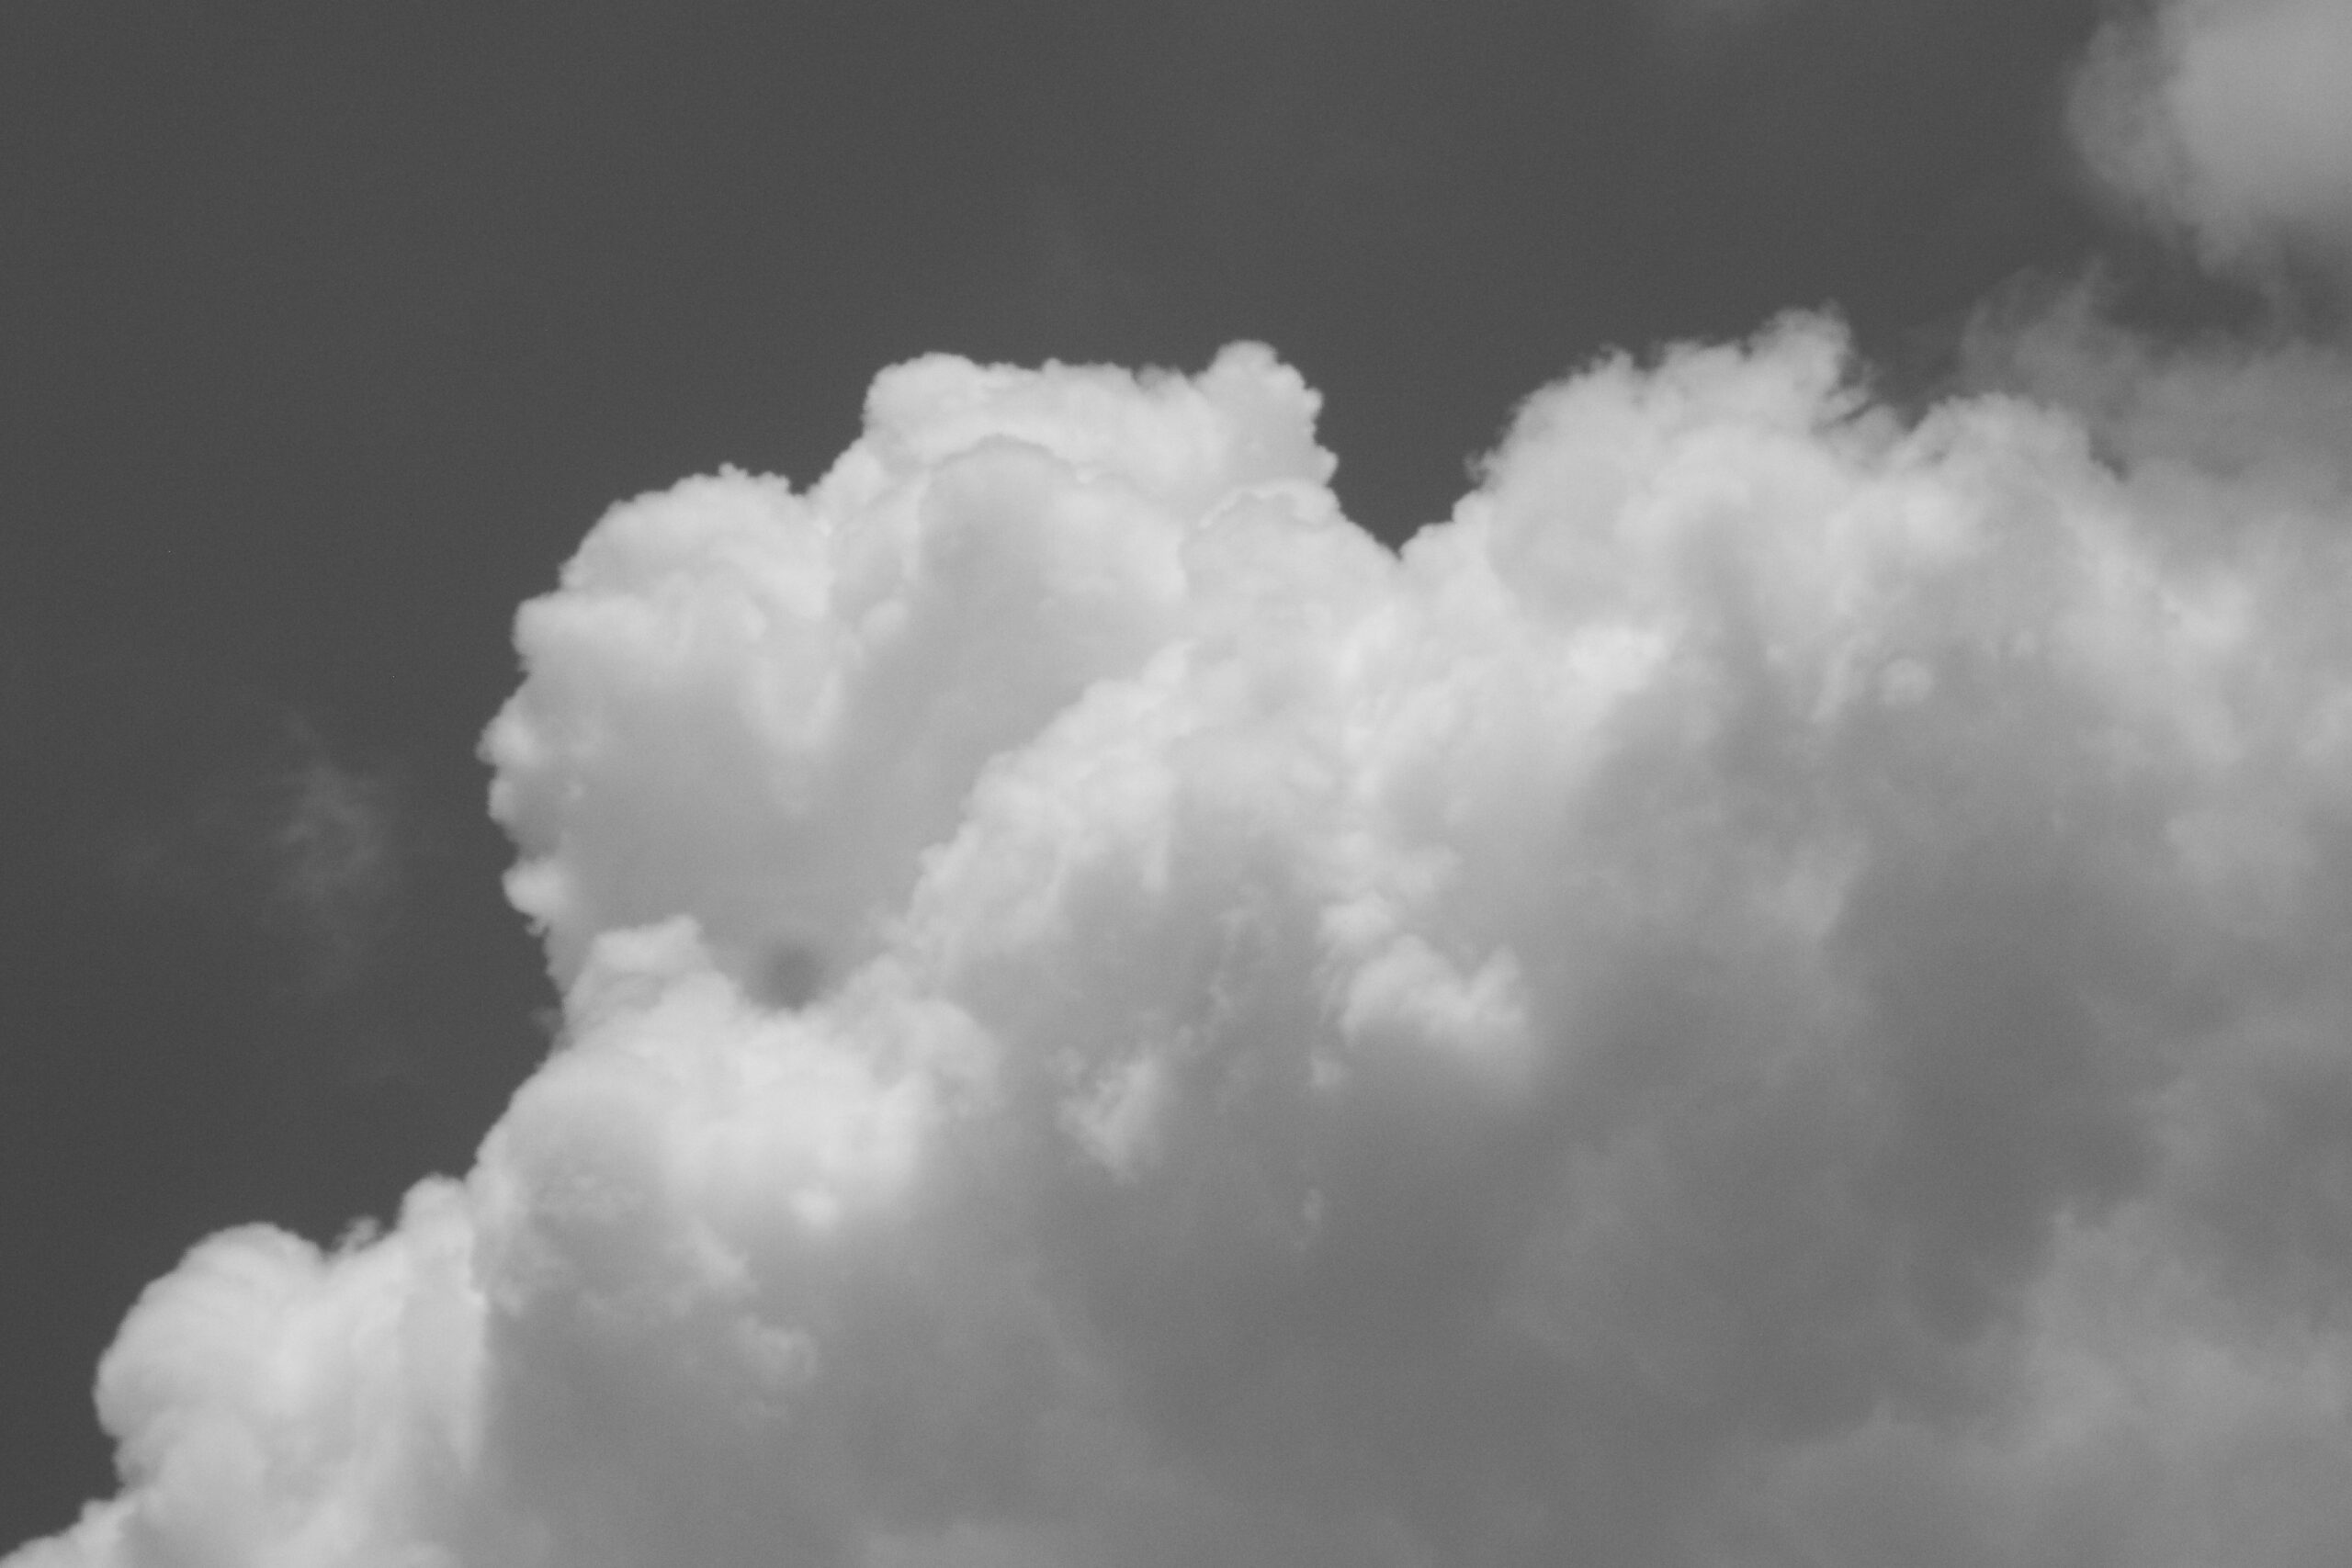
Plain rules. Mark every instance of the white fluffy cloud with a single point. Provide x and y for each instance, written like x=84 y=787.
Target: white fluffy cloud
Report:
x=2233 y=118
x=1775 y=991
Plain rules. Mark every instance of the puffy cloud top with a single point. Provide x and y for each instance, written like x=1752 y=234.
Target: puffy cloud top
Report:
x=1773 y=992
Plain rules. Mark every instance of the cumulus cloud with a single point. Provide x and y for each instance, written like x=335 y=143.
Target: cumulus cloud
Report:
x=2231 y=119
x=1773 y=991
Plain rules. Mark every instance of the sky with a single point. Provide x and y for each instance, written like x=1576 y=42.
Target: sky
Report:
x=956 y=786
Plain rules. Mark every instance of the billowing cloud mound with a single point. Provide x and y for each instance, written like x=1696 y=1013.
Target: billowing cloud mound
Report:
x=2231 y=118
x=1776 y=991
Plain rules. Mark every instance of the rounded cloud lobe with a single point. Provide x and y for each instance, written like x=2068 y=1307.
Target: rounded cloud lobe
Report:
x=2233 y=119
x=1773 y=992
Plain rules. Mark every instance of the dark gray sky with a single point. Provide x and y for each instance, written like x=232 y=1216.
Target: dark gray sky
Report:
x=326 y=330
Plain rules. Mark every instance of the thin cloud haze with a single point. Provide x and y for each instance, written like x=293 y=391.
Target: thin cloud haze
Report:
x=266 y=834
x=1773 y=990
